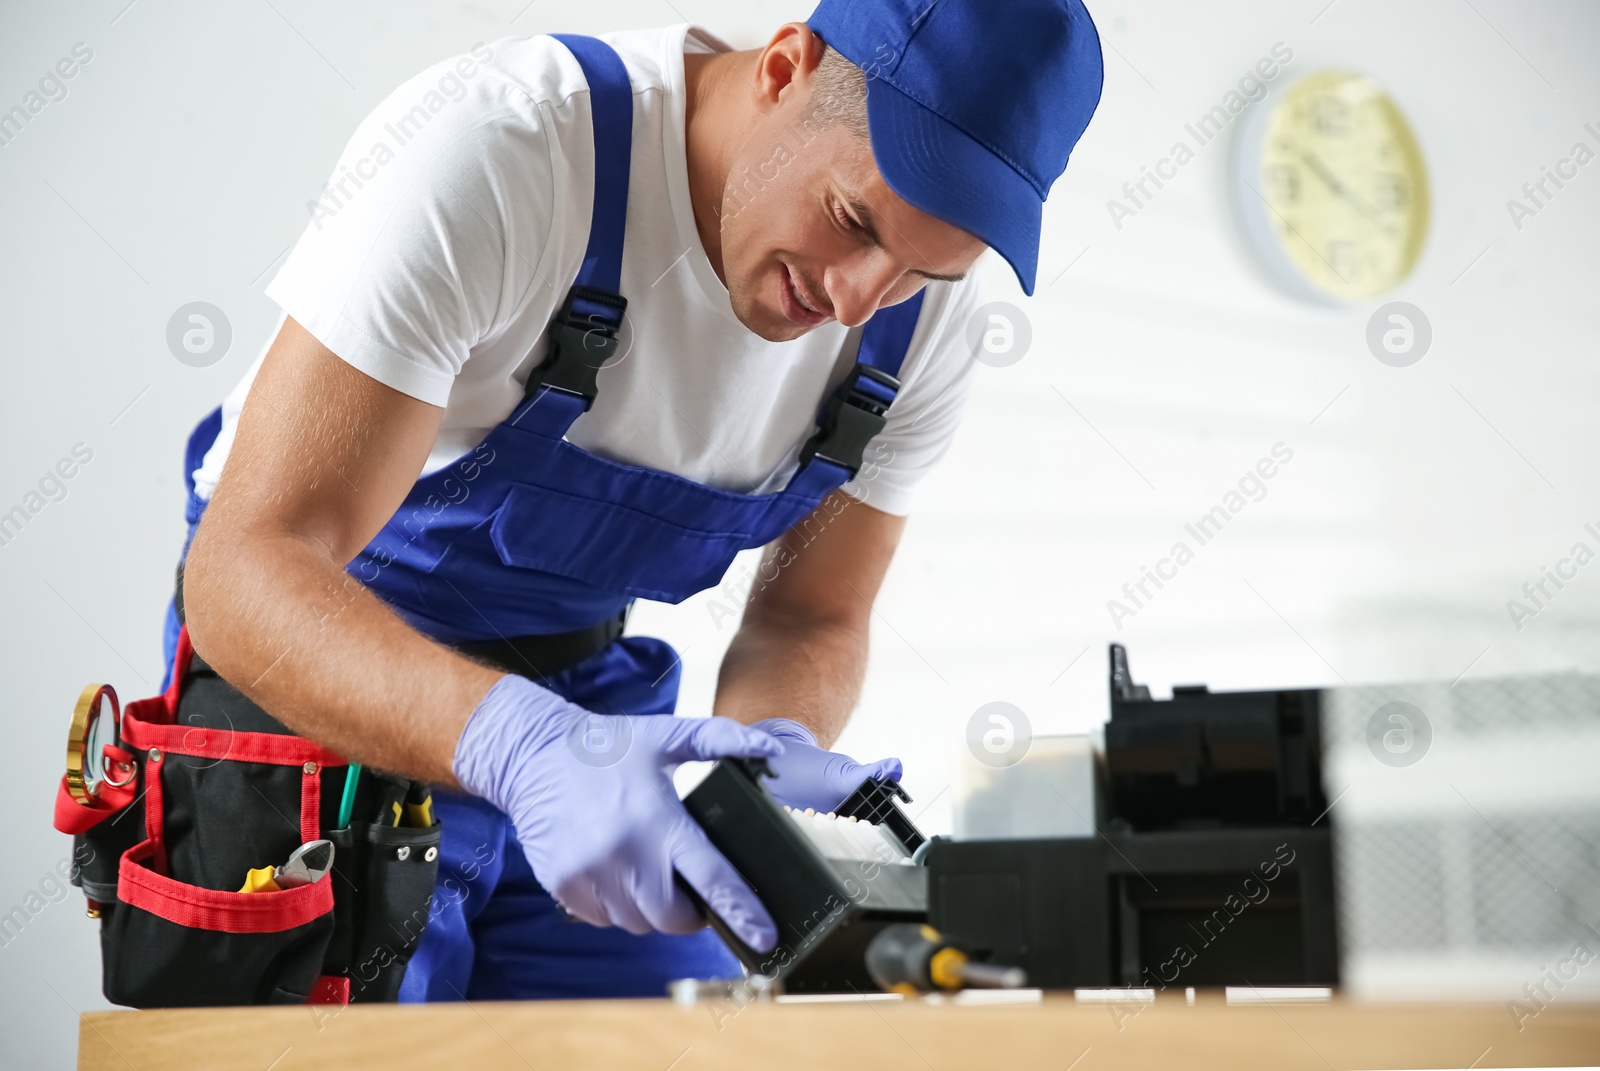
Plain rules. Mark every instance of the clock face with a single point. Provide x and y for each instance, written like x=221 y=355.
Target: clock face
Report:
x=1340 y=190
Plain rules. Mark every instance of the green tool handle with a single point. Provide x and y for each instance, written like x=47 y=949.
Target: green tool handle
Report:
x=347 y=803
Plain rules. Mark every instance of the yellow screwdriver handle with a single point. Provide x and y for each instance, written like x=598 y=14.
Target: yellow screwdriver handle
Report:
x=260 y=879
x=420 y=815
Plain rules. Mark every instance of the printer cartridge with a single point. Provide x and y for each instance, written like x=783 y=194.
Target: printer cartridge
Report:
x=830 y=881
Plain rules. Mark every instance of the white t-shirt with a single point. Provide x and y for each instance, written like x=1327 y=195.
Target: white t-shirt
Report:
x=456 y=220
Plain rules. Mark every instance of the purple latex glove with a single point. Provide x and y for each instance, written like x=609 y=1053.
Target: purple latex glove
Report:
x=811 y=776
x=592 y=801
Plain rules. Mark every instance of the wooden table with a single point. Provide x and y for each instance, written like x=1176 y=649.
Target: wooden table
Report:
x=1057 y=1033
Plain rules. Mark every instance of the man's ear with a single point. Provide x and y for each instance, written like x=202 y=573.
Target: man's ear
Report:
x=789 y=60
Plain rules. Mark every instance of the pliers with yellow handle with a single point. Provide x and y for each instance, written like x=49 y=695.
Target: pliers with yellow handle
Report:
x=309 y=863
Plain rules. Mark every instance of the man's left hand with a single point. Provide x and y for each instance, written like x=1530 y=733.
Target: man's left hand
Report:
x=812 y=776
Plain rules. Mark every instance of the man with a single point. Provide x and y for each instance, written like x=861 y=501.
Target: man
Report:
x=462 y=626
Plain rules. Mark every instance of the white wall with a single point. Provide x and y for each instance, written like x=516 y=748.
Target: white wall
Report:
x=179 y=164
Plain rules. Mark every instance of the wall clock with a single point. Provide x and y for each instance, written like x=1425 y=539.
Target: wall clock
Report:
x=1331 y=188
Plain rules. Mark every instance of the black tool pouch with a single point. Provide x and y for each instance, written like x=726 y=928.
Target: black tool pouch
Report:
x=395 y=870
x=97 y=853
x=224 y=789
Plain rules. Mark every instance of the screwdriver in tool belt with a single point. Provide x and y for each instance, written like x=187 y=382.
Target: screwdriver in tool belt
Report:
x=908 y=958
x=391 y=801
x=419 y=806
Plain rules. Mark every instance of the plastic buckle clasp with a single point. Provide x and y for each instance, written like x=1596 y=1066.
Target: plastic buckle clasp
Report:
x=852 y=415
x=583 y=337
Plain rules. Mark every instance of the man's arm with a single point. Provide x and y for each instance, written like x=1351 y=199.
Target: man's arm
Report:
x=323 y=457
x=801 y=649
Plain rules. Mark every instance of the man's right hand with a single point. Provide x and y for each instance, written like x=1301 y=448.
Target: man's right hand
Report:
x=593 y=804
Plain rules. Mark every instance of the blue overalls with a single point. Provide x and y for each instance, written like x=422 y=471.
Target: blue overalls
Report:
x=528 y=534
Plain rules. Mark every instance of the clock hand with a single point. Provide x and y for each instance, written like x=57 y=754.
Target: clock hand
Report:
x=1332 y=180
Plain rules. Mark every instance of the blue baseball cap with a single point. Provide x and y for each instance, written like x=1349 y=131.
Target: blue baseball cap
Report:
x=973 y=105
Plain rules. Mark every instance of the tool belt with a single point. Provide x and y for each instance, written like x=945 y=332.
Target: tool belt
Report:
x=217 y=788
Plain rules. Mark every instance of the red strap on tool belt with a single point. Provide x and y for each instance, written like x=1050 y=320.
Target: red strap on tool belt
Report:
x=74 y=816
x=214 y=909
x=208 y=743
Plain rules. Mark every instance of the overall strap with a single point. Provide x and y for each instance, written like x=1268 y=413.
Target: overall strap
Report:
x=858 y=408
x=583 y=334
x=611 y=102
x=887 y=336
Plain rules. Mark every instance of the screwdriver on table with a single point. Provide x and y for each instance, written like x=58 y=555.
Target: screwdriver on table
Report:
x=908 y=958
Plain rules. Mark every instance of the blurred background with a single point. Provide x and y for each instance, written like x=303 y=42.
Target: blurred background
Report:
x=1165 y=358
